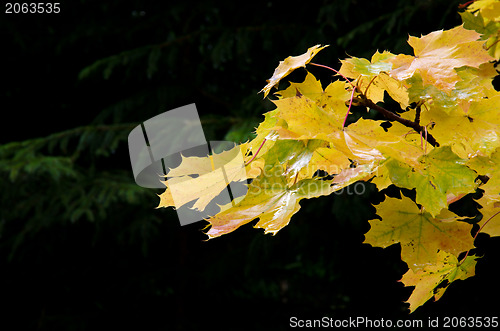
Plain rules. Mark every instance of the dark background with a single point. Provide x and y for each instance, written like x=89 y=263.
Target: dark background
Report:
x=82 y=247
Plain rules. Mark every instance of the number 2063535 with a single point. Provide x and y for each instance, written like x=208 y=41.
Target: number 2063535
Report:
x=32 y=8
x=453 y=322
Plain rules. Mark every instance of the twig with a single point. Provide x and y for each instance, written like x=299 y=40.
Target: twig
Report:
x=417 y=113
x=391 y=116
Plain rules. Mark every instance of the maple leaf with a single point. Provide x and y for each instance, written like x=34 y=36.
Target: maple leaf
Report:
x=427 y=280
x=290 y=64
x=474 y=85
x=213 y=173
x=324 y=123
x=372 y=77
x=354 y=67
x=332 y=97
x=420 y=234
x=488 y=25
x=269 y=198
x=489 y=9
x=310 y=87
x=437 y=54
x=440 y=173
x=474 y=130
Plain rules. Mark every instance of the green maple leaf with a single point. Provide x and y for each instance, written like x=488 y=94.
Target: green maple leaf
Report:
x=427 y=280
x=354 y=67
x=420 y=234
x=441 y=172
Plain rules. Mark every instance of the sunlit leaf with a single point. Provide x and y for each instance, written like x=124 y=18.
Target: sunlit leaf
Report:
x=290 y=64
x=438 y=54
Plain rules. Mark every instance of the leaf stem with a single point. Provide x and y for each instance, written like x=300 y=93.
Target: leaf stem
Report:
x=256 y=153
x=370 y=83
x=478 y=231
x=465 y=4
x=349 y=108
x=425 y=148
x=338 y=73
x=492 y=45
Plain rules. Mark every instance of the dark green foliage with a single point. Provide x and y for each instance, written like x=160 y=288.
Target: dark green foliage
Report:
x=82 y=246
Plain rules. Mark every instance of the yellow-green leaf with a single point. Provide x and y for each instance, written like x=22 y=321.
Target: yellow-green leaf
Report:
x=427 y=280
x=271 y=199
x=440 y=173
x=420 y=234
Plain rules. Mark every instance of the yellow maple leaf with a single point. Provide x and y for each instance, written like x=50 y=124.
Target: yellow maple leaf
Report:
x=470 y=129
x=310 y=87
x=290 y=64
x=166 y=199
x=427 y=280
x=438 y=53
x=489 y=9
x=328 y=159
x=213 y=174
x=305 y=119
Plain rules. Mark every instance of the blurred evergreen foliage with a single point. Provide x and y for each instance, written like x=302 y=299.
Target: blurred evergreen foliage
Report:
x=81 y=245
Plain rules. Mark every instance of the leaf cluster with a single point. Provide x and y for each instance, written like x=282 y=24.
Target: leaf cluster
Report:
x=442 y=144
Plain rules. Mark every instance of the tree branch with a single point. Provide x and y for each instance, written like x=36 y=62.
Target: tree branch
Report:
x=391 y=116
x=417 y=114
